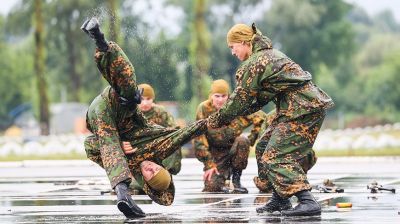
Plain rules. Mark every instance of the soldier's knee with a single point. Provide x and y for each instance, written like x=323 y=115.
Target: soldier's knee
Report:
x=308 y=161
x=168 y=202
x=243 y=141
x=91 y=146
x=214 y=185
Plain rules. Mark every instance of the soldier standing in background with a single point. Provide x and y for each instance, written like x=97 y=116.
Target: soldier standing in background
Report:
x=225 y=151
x=265 y=75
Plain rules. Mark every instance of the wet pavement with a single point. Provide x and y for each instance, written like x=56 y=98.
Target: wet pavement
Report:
x=71 y=192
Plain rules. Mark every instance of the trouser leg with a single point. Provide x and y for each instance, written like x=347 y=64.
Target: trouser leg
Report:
x=289 y=154
x=240 y=154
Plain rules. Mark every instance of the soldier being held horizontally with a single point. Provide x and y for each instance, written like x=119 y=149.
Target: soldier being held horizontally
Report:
x=156 y=114
x=114 y=117
x=225 y=151
x=286 y=153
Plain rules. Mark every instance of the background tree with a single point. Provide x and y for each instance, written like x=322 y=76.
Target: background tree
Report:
x=199 y=51
x=310 y=32
x=44 y=116
x=114 y=21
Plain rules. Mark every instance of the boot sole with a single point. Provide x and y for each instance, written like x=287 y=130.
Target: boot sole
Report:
x=313 y=213
x=272 y=213
x=127 y=211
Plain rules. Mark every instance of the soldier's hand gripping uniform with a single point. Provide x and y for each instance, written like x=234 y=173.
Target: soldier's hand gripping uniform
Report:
x=285 y=151
x=113 y=117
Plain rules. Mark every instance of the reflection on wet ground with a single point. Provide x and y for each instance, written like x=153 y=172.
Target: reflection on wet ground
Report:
x=68 y=193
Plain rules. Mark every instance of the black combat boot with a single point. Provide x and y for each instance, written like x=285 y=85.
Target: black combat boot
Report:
x=307 y=206
x=91 y=28
x=276 y=203
x=238 y=189
x=125 y=202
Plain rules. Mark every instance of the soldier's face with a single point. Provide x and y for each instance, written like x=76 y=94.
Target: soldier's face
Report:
x=146 y=104
x=218 y=100
x=241 y=50
x=149 y=169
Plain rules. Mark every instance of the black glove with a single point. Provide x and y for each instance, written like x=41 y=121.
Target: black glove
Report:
x=137 y=99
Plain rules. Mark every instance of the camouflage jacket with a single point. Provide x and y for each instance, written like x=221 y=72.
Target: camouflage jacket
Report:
x=158 y=115
x=269 y=75
x=222 y=138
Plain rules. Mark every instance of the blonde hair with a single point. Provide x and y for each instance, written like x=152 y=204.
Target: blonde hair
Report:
x=239 y=33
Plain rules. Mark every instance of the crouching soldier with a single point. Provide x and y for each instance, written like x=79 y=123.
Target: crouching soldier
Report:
x=225 y=151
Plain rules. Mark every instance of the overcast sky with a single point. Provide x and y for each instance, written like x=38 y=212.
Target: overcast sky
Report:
x=371 y=6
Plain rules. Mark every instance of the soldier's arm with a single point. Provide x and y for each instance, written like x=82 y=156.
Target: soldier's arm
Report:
x=244 y=99
x=201 y=146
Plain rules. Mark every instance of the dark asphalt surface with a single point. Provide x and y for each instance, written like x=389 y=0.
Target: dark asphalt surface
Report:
x=70 y=192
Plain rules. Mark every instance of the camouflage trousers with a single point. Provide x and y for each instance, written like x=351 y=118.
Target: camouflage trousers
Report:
x=284 y=153
x=227 y=159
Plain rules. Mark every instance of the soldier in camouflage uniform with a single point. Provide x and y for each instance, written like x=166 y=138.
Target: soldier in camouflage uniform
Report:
x=225 y=151
x=156 y=114
x=113 y=117
x=285 y=151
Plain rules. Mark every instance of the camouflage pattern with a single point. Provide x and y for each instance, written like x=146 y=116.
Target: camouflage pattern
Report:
x=116 y=68
x=224 y=147
x=111 y=123
x=158 y=115
x=285 y=150
x=263 y=186
x=267 y=122
x=234 y=158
